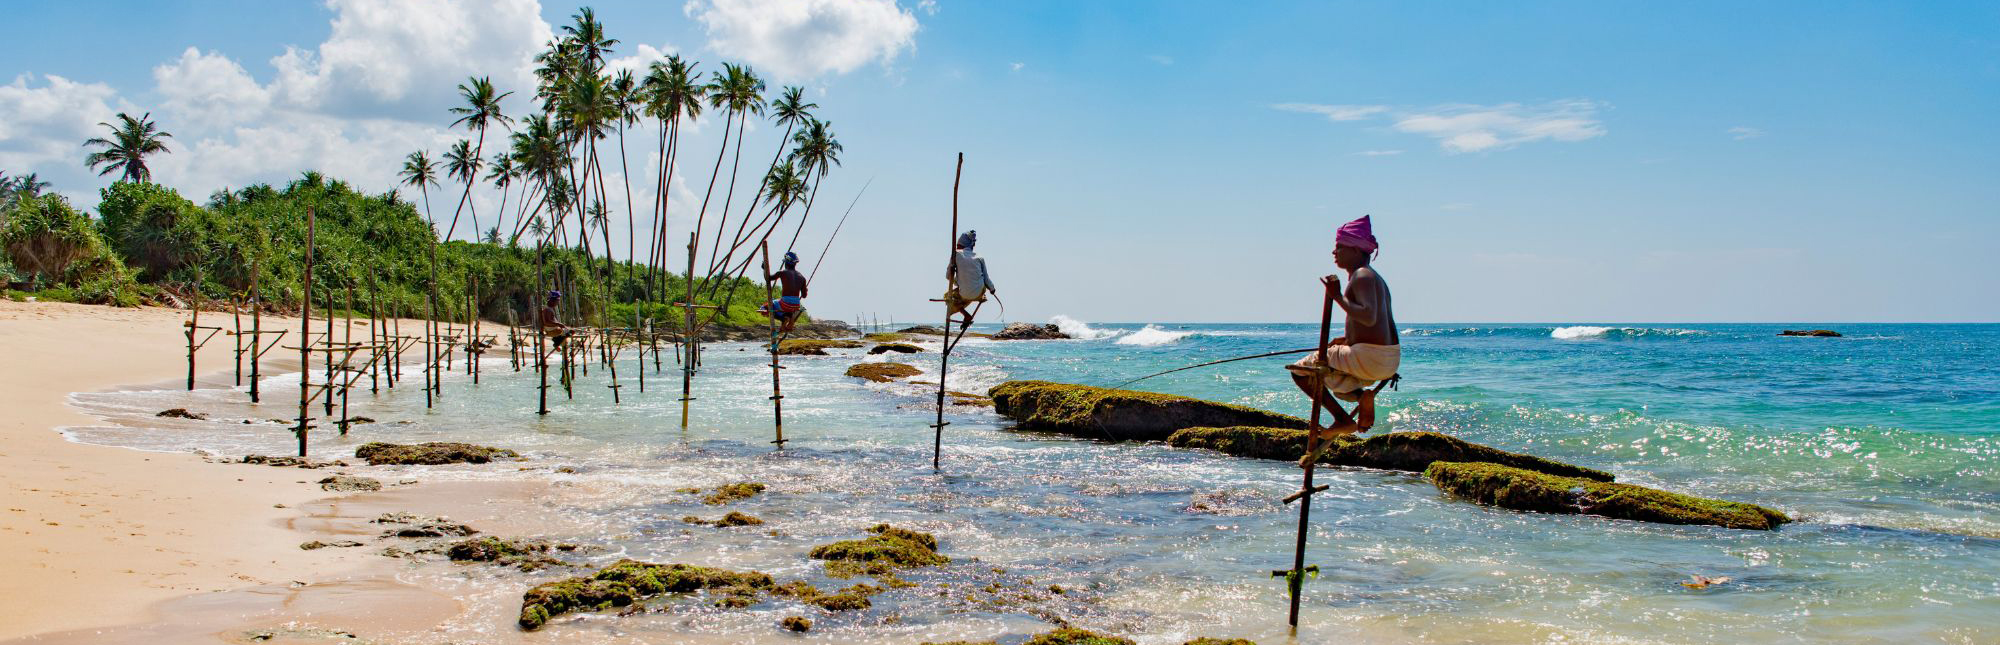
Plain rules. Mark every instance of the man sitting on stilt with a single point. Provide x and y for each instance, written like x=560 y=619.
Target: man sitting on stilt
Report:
x=791 y=304
x=968 y=278
x=551 y=322
x=1369 y=352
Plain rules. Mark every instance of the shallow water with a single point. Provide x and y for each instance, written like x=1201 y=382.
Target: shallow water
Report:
x=1882 y=444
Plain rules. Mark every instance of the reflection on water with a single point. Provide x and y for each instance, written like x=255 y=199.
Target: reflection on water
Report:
x=1894 y=487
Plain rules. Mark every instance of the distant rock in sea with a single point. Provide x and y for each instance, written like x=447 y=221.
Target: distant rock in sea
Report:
x=1816 y=333
x=1030 y=331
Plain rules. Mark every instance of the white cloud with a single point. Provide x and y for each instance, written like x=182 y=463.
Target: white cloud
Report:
x=1742 y=132
x=1476 y=128
x=642 y=56
x=802 y=39
x=404 y=59
x=46 y=125
x=1379 y=153
x=1335 y=112
x=1016 y=66
x=209 y=90
x=929 y=7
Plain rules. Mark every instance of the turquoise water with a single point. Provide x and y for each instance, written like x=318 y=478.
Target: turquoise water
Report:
x=1882 y=444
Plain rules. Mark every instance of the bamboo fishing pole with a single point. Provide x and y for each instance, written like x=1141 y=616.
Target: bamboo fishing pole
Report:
x=944 y=356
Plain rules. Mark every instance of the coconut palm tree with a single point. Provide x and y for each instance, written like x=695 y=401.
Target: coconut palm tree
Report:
x=502 y=173
x=481 y=109
x=737 y=90
x=816 y=152
x=461 y=162
x=672 y=94
x=420 y=171
x=625 y=104
x=790 y=109
x=131 y=140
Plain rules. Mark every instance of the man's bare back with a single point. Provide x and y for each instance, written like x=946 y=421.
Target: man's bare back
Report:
x=1366 y=287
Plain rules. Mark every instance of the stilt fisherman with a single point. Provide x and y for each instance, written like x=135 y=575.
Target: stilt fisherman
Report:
x=1370 y=351
x=791 y=305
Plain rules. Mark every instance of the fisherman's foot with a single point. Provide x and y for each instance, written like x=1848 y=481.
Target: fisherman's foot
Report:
x=1364 y=411
x=1330 y=433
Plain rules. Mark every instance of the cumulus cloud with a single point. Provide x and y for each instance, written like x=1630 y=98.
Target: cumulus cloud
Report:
x=46 y=124
x=1742 y=132
x=208 y=90
x=1460 y=128
x=804 y=39
x=1015 y=67
x=391 y=57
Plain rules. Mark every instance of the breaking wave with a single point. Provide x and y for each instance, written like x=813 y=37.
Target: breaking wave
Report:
x=1152 y=336
x=1570 y=332
x=1080 y=330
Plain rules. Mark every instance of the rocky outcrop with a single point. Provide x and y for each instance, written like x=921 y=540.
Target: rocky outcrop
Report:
x=1030 y=331
x=526 y=555
x=349 y=483
x=890 y=548
x=1120 y=414
x=430 y=454
x=1407 y=451
x=727 y=493
x=734 y=518
x=1816 y=333
x=815 y=330
x=882 y=372
x=286 y=461
x=810 y=347
x=182 y=413
x=627 y=582
x=926 y=330
x=1526 y=490
x=900 y=348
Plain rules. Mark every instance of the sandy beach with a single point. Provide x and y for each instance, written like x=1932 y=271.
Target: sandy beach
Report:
x=99 y=536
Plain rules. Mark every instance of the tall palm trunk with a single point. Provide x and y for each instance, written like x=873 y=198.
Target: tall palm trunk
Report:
x=714 y=173
x=735 y=164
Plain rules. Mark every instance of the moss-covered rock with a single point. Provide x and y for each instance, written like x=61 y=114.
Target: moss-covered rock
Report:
x=900 y=348
x=731 y=492
x=732 y=519
x=885 y=337
x=1074 y=636
x=1526 y=490
x=882 y=372
x=626 y=582
x=430 y=454
x=1410 y=451
x=349 y=483
x=527 y=555
x=967 y=398
x=182 y=413
x=815 y=347
x=1220 y=641
x=797 y=623
x=889 y=549
x=1121 y=414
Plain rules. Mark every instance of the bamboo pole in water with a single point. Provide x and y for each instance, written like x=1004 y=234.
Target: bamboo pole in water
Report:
x=944 y=356
x=305 y=339
x=777 y=392
x=256 y=332
x=1296 y=576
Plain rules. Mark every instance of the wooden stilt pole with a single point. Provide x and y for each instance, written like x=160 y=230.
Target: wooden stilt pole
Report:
x=236 y=315
x=305 y=339
x=687 y=336
x=347 y=338
x=375 y=345
x=256 y=333
x=541 y=330
x=944 y=356
x=1296 y=576
x=777 y=391
x=193 y=326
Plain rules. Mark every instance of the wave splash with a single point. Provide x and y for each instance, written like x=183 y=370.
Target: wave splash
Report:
x=1580 y=332
x=1152 y=336
x=1080 y=330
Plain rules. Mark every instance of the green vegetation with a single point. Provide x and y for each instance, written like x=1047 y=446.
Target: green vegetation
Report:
x=889 y=549
x=1410 y=451
x=732 y=492
x=1525 y=490
x=1120 y=414
x=629 y=581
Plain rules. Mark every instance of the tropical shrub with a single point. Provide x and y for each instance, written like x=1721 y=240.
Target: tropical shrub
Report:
x=44 y=236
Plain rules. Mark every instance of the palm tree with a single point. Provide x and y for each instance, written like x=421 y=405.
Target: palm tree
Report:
x=420 y=171
x=672 y=94
x=14 y=190
x=461 y=162
x=791 y=109
x=625 y=103
x=131 y=140
x=503 y=173
x=817 y=152
x=481 y=109
x=738 y=90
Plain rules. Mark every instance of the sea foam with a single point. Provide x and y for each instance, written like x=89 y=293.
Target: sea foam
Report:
x=1152 y=336
x=1080 y=330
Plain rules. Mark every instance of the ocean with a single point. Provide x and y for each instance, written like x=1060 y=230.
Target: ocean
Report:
x=1884 y=445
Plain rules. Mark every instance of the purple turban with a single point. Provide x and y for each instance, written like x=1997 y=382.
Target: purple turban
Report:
x=1358 y=234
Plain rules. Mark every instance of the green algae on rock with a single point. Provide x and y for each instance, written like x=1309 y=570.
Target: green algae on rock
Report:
x=734 y=518
x=349 y=483
x=527 y=555
x=1121 y=414
x=815 y=347
x=884 y=336
x=889 y=549
x=430 y=454
x=1525 y=490
x=629 y=581
x=900 y=348
x=882 y=372
x=1410 y=451
x=1074 y=636
x=731 y=492
x=797 y=623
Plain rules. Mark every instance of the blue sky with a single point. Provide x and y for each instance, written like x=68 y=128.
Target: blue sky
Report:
x=1143 y=161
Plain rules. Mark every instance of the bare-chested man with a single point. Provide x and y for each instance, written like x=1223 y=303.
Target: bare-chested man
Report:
x=551 y=322
x=1370 y=351
x=792 y=303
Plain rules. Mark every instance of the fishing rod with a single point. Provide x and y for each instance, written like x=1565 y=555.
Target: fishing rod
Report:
x=1226 y=360
x=836 y=230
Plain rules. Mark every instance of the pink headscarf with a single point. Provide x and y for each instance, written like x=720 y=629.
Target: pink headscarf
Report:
x=1358 y=234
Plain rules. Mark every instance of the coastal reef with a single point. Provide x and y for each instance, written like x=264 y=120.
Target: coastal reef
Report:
x=815 y=347
x=885 y=337
x=430 y=454
x=882 y=372
x=527 y=555
x=732 y=519
x=349 y=483
x=182 y=413
x=1526 y=490
x=629 y=581
x=1064 y=636
x=727 y=493
x=1030 y=331
x=900 y=348
x=1409 y=451
x=1815 y=333
x=1120 y=414
x=890 y=548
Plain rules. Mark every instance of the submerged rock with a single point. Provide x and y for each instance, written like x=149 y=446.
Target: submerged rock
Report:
x=286 y=461
x=885 y=337
x=430 y=454
x=1074 y=636
x=1030 y=331
x=889 y=549
x=347 y=483
x=338 y=544
x=182 y=413
x=797 y=623
x=1410 y=451
x=882 y=372
x=731 y=492
x=732 y=519
x=1526 y=490
x=1120 y=414
x=627 y=582
x=900 y=348
x=1220 y=641
x=527 y=555
x=926 y=330
x=816 y=347
x=1816 y=333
